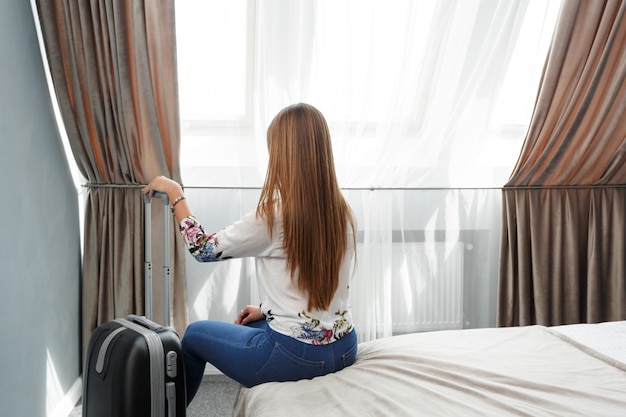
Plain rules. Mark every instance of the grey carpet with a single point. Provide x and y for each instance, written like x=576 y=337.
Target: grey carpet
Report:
x=215 y=398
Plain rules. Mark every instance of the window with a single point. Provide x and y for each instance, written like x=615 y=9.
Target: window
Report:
x=214 y=60
x=406 y=75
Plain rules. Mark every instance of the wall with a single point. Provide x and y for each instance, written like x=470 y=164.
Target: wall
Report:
x=39 y=229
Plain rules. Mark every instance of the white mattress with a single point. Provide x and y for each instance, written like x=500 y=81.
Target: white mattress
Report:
x=606 y=341
x=576 y=370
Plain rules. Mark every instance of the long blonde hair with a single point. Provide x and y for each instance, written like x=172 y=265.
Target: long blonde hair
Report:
x=316 y=218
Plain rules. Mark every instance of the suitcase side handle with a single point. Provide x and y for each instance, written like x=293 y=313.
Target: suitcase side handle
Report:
x=145 y=322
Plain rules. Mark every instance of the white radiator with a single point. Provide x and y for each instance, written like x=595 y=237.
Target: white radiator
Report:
x=427 y=286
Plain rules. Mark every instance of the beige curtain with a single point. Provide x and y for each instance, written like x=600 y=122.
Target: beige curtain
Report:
x=563 y=249
x=113 y=64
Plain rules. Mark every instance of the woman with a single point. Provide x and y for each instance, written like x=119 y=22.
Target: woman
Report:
x=302 y=235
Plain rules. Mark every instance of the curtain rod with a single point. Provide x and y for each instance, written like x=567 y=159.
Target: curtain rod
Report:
x=561 y=187
x=232 y=187
x=521 y=187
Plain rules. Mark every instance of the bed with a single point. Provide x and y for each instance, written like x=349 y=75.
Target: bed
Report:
x=572 y=370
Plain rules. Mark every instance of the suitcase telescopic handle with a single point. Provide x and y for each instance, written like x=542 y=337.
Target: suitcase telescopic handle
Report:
x=148 y=257
x=157 y=194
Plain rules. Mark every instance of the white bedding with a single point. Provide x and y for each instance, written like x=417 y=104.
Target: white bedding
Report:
x=603 y=340
x=576 y=370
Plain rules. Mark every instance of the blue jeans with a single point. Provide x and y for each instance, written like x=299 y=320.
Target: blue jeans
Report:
x=255 y=354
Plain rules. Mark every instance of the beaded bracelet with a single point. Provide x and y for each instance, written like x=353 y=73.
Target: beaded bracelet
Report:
x=176 y=201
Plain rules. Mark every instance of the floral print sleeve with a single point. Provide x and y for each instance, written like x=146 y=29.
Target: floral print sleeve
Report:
x=204 y=247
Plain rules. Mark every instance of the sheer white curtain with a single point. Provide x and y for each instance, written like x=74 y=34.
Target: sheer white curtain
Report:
x=428 y=102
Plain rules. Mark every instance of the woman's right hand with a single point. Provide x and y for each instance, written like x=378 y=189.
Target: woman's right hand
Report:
x=249 y=314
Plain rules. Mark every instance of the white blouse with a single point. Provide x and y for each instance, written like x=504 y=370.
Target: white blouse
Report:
x=282 y=303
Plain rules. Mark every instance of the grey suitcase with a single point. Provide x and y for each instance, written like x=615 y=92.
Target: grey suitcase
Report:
x=134 y=366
